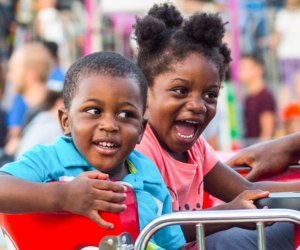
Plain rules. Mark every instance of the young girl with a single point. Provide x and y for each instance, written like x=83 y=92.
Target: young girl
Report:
x=185 y=62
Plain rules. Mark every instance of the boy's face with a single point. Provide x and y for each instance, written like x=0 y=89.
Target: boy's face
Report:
x=182 y=102
x=105 y=120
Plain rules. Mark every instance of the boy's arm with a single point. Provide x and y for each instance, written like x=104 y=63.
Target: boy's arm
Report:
x=83 y=195
x=20 y=196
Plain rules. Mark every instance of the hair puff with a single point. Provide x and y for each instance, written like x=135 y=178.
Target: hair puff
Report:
x=225 y=51
x=149 y=32
x=206 y=28
x=167 y=13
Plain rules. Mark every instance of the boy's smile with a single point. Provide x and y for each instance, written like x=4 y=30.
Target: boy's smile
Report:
x=105 y=120
x=181 y=103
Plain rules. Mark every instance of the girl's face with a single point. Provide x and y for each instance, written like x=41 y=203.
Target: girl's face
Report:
x=105 y=120
x=182 y=102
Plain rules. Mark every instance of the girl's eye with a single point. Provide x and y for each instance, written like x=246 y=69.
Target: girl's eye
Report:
x=212 y=96
x=181 y=91
x=94 y=111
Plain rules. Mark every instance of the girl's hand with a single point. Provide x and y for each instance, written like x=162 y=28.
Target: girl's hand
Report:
x=245 y=200
x=92 y=192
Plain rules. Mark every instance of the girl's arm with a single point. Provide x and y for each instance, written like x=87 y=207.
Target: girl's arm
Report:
x=84 y=195
x=227 y=185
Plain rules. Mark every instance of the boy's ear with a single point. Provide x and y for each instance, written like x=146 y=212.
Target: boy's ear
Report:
x=144 y=124
x=63 y=115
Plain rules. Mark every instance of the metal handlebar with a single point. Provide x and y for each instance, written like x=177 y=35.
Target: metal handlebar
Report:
x=221 y=216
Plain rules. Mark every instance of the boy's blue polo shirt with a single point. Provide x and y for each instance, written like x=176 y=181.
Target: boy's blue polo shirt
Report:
x=44 y=163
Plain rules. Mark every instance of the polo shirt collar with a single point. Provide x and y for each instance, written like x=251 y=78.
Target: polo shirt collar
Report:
x=68 y=155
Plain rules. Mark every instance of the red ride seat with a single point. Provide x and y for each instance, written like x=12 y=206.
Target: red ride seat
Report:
x=66 y=231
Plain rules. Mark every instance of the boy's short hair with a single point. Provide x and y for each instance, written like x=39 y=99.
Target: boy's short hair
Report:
x=107 y=63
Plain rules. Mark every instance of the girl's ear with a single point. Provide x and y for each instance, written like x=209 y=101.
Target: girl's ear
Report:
x=63 y=115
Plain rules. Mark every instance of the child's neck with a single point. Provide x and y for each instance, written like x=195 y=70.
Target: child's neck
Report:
x=182 y=157
x=119 y=173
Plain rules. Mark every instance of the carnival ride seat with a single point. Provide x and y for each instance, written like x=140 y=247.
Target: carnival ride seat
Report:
x=66 y=231
x=69 y=231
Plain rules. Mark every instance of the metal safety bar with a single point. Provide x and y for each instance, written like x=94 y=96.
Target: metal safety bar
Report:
x=221 y=216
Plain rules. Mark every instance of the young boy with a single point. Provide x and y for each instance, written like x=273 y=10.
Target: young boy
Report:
x=104 y=97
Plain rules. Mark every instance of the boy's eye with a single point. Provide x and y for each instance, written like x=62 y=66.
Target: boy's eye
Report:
x=125 y=114
x=93 y=111
x=180 y=90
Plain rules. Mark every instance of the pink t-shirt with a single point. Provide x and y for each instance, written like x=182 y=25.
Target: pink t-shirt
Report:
x=184 y=180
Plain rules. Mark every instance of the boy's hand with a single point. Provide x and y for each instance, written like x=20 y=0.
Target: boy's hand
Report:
x=95 y=175
x=90 y=193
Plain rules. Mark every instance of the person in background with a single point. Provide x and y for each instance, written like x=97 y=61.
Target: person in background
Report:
x=259 y=103
x=265 y=162
x=28 y=71
x=44 y=128
x=49 y=26
x=102 y=120
x=285 y=43
x=47 y=119
x=57 y=74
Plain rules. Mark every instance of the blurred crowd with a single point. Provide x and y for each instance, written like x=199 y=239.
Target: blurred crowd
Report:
x=39 y=39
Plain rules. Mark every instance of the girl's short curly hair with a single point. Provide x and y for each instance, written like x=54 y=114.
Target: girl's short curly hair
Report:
x=164 y=37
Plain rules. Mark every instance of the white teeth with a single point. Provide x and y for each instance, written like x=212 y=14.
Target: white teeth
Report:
x=192 y=122
x=107 y=144
x=185 y=136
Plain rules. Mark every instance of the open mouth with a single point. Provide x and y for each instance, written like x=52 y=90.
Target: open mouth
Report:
x=186 y=129
x=106 y=147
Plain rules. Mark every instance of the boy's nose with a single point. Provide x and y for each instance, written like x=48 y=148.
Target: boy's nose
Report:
x=197 y=106
x=108 y=123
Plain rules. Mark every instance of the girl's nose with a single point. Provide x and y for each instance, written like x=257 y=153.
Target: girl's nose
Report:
x=197 y=106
